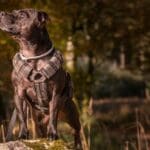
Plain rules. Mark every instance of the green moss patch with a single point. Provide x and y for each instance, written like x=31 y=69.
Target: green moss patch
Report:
x=44 y=144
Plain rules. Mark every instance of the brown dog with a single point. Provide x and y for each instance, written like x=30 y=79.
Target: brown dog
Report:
x=38 y=81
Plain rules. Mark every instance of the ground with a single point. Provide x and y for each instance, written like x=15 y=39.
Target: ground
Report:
x=39 y=144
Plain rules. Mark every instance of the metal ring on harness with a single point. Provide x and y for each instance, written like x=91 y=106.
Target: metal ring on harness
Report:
x=38 y=77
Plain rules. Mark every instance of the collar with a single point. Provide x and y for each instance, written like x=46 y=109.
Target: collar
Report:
x=36 y=57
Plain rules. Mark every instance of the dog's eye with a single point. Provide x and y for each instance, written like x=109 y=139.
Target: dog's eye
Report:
x=23 y=15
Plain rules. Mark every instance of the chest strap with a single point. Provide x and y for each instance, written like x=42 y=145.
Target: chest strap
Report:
x=21 y=67
x=53 y=65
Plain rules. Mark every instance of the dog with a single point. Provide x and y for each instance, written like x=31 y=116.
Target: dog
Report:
x=38 y=77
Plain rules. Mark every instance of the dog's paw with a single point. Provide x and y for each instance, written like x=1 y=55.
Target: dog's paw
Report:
x=53 y=137
x=9 y=138
x=23 y=135
x=78 y=147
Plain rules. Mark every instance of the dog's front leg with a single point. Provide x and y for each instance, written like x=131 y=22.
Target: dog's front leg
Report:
x=54 y=107
x=19 y=99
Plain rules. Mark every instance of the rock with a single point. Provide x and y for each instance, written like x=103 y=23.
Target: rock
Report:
x=14 y=145
x=44 y=144
x=39 y=144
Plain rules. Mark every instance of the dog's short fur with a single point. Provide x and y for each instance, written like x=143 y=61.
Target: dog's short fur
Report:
x=27 y=27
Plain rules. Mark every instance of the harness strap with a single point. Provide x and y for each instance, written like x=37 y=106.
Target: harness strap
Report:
x=41 y=108
x=53 y=65
x=22 y=68
x=41 y=89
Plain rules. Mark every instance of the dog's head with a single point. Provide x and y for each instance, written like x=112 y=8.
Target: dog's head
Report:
x=22 y=22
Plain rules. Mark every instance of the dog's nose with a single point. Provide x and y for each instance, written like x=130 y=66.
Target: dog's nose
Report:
x=2 y=13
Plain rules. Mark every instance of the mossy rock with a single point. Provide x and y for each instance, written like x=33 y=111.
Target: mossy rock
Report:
x=39 y=144
x=14 y=145
x=44 y=144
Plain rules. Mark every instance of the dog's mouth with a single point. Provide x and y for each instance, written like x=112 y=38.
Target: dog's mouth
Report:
x=7 y=25
x=9 y=29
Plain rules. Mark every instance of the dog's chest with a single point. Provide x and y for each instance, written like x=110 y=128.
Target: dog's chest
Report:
x=38 y=64
x=34 y=97
x=41 y=64
x=30 y=73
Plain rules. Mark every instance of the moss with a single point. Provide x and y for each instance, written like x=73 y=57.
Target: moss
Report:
x=44 y=144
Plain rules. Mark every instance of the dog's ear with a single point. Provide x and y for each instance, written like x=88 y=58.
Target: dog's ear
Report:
x=42 y=17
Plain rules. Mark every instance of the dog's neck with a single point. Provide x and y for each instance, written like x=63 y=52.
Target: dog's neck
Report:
x=35 y=44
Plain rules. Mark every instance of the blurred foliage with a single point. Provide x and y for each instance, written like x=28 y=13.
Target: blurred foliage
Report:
x=114 y=82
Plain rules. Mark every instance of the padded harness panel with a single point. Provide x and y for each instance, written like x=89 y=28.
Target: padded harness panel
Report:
x=23 y=70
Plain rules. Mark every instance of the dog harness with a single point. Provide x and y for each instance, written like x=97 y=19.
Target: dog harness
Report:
x=23 y=69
